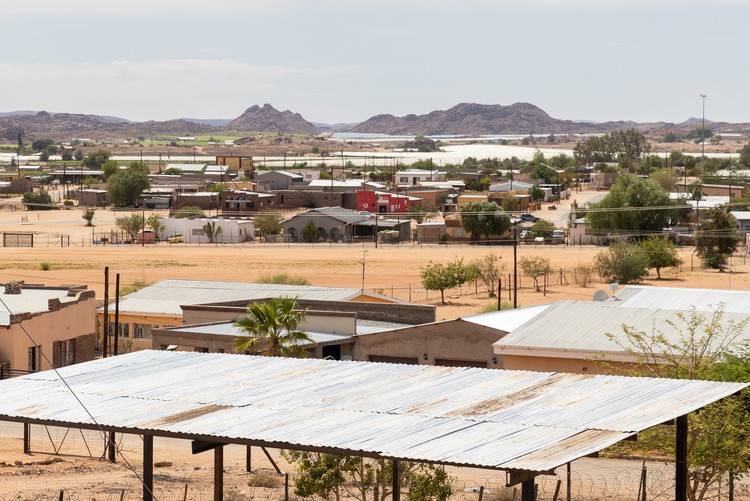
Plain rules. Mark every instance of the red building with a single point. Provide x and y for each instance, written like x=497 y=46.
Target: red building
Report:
x=384 y=203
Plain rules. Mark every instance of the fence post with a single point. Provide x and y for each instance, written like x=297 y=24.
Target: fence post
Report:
x=481 y=492
x=26 y=438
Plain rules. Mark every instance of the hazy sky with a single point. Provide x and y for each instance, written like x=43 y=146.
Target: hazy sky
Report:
x=344 y=61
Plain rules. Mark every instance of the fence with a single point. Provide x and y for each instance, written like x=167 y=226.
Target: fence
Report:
x=180 y=475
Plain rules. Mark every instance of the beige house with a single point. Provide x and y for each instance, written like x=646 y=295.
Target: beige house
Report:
x=589 y=336
x=161 y=304
x=45 y=327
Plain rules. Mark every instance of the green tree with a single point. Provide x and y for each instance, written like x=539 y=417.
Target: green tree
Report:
x=271 y=329
x=633 y=205
x=211 y=231
x=699 y=345
x=153 y=223
x=717 y=237
x=744 y=159
x=109 y=167
x=38 y=201
x=489 y=271
x=623 y=263
x=536 y=193
x=666 y=178
x=660 y=253
x=173 y=171
x=124 y=187
x=41 y=144
x=438 y=276
x=542 y=228
x=96 y=159
x=131 y=224
x=268 y=223
x=88 y=215
x=535 y=267
x=484 y=218
x=310 y=232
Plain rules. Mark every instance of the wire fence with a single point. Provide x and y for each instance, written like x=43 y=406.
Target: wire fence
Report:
x=79 y=471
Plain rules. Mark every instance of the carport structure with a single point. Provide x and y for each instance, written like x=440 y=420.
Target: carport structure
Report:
x=526 y=423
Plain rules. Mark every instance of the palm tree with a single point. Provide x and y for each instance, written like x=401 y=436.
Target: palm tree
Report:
x=271 y=329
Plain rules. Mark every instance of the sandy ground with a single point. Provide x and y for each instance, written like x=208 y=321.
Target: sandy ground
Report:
x=392 y=270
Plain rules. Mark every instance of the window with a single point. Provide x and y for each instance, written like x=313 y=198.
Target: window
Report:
x=141 y=331
x=35 y=358
x=63 y=352
x=197 y=232
x=123 y=331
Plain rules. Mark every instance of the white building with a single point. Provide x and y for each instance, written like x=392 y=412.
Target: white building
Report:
x=192 y=230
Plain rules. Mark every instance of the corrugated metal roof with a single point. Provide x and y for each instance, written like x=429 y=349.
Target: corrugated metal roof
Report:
x=228 y=329
x=676 y=298
x=583 y=326
x=465 y=416
x=506 y=320
x=166 y=296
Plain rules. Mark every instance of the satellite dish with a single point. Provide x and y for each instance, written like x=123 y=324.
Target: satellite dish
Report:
x=600 y=295
x=614 y=286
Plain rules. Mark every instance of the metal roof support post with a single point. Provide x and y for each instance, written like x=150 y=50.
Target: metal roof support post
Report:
x=148 y=468
x=111 y=448
x=681 y=459
x=396 y=480
x=527 y=490
x=249 y=459
x=219 y=473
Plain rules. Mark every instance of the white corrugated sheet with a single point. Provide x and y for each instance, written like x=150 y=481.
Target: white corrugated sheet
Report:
x=598 y=327
x=465 y=416
x=506 y=320
x=166 y=296
x=677 y=298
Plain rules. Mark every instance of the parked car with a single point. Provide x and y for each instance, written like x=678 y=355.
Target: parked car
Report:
x=531 y=218
x=177 y=239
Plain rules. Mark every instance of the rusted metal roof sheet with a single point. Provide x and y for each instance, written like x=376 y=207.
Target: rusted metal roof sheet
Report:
x=465 y=416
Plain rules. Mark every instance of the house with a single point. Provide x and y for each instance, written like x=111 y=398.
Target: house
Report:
x=510 y=185
x=162 y=303
x=235 y=164
x=45 y=327
x=307 y=199
x=206 y=200
x=92 y=198
x=272 y=180
x=589 y=337
x=412 y=177
x=742 y=219
x=243 y=201
x=384 y=203
x=188 y=169
x=193 y=229
x=337 y=224
x=430 y=232
x=462 y=342
x=579 y=233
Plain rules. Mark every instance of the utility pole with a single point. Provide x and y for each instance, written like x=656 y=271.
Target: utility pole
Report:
x=703 y=134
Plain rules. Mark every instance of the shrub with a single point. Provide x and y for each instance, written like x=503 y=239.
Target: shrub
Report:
x=45 y=266
x=283 y=278
x=263 y=480
x=623 y=263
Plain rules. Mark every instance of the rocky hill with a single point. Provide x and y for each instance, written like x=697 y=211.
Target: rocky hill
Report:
x=476 y=119
x=66 y=126
x=269 y=119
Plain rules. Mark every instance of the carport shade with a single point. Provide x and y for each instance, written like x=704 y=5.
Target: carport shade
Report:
x=523 y=422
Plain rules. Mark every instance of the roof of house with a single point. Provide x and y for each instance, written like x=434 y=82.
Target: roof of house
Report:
x=679 y=298
x=512 y=420
x=293 y=175
x=507 y=186
x=167 y=296
x=506 y=320
x=741 y=215
x=342 y=183
x=31 y=300
x=230 y=330
x=187 y=168
x=338 y=213
x=573 y=328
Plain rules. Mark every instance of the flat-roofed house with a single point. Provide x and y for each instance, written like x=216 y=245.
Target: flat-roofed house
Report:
x=45 y=327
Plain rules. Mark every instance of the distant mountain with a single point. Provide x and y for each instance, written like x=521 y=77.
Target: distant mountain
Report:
x=65 y=126
x=476 y=119
x=269 y=119
x=341 y=127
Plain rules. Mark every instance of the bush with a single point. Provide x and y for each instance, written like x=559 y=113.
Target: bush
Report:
x=189 y=212
x=283 y=278
x=68 y=203
x=263 y=480
x=622 y=263
x=45 y=266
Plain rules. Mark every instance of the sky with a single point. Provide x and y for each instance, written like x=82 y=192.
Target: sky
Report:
x=337 y=61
